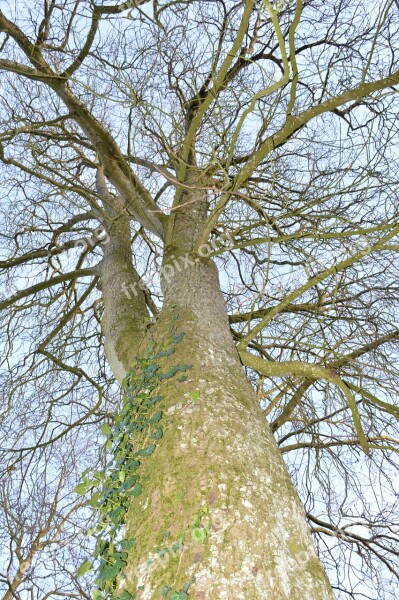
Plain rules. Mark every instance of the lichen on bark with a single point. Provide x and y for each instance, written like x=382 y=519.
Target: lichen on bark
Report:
x=217 y=456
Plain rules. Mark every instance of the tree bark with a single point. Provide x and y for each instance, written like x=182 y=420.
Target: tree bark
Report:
x=218 y=513
x=125 y=317
x=218 y=517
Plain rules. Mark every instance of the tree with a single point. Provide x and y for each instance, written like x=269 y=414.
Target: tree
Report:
x=191 y=188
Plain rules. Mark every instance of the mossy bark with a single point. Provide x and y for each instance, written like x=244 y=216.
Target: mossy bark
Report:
x=125 y=317
x=218 y=517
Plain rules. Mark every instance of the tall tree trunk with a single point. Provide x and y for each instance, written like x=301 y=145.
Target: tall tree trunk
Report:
x=218 y=517
x=217 y=468
x=215 y=514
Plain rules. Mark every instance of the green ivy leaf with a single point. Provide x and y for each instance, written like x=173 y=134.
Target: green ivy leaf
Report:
x=125 y=596
x=177 y=546
x=178 y=596
x=101 y=546
x=169 y=374
x=165 y=590
x=81 y=489
x=151 y=370
x=132 y=465
x=158 y=434
x=156 y=418
x=115 y=514
x=110 y=573
x=127 y=544
x=163 y=353
x=94 y=499
x=136 y=491
x=187 y=585
x=106 y=429
x=129 y=483
x=146 y=451
x=84 y=568
x=179 y=337
x=198 y=518
x=152 y=401
x=200 y=534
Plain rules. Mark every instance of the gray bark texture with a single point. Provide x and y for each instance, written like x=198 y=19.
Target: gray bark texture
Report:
x=216 y=484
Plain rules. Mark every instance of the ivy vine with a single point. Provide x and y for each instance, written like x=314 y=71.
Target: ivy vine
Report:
x=134 y=436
